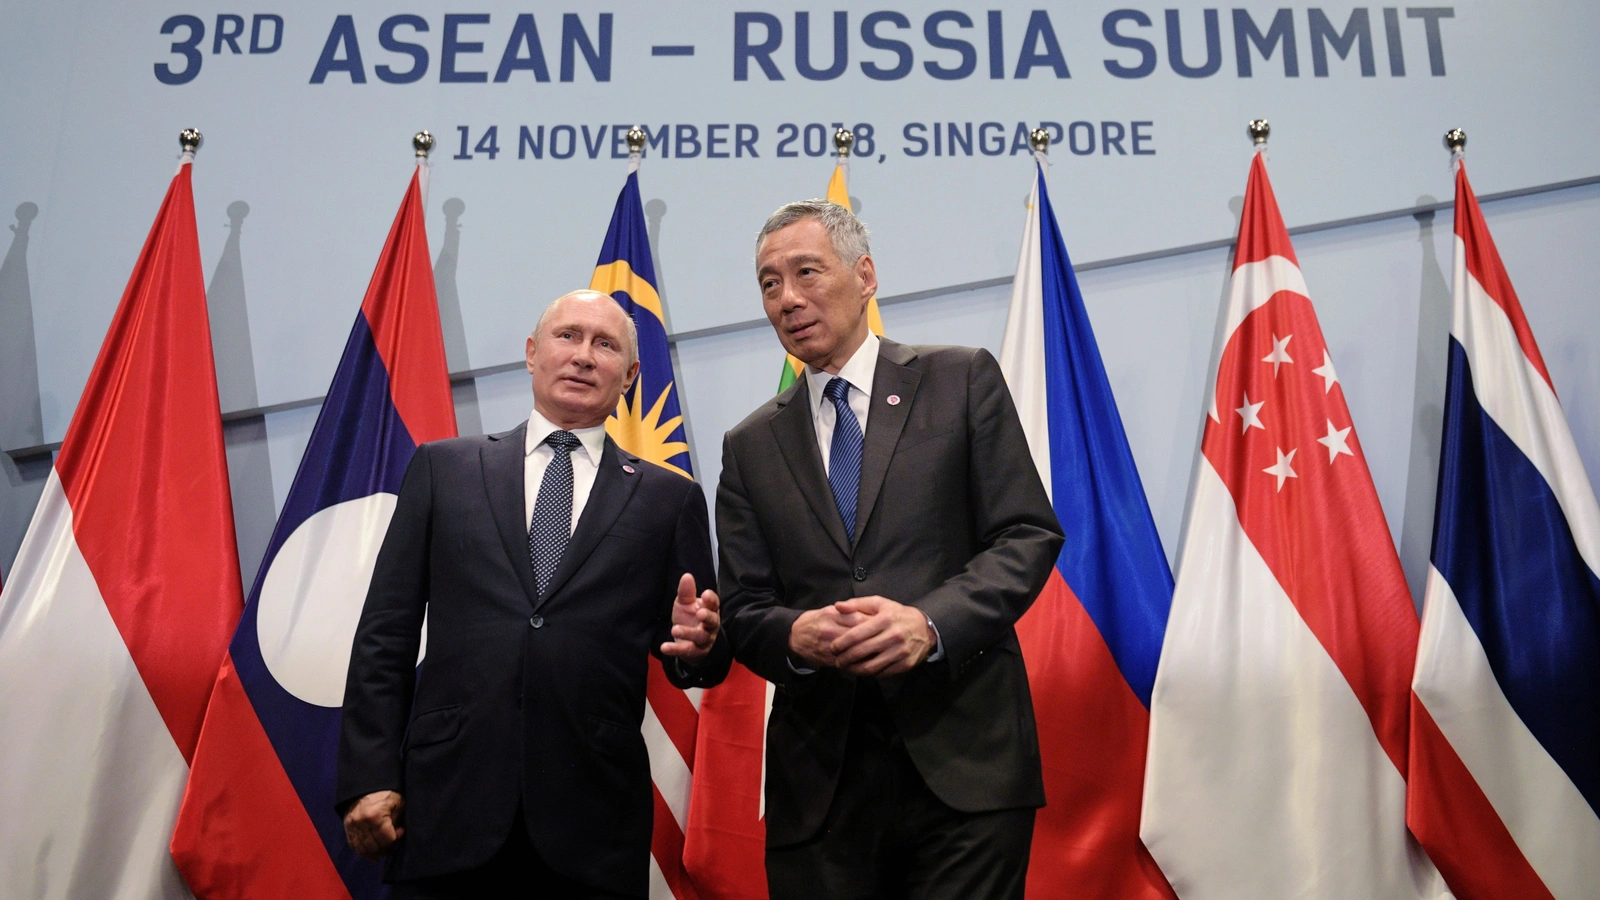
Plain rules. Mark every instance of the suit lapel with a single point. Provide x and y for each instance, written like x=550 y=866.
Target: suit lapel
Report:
x=797 y=441
x=612 y=488
x=504 y=481
x=885 y=421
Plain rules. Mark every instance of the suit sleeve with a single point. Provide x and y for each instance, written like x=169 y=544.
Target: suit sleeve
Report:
x=383 y=659
x=1012 y=521
x=691 y=552
x=752 y=610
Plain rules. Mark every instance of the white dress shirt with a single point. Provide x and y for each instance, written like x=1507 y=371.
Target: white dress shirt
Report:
x=536 y=456
x=858 y=370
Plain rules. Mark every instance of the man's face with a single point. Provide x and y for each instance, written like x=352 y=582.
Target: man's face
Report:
x=816 y=303
x=579 y=360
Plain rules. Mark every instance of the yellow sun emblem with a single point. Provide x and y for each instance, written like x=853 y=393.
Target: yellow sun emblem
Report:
x=644 y=434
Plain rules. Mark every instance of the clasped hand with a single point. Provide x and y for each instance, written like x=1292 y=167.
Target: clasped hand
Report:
x=695 y=622
x=865 y=636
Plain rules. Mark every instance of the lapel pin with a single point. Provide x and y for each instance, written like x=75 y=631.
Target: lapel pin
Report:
x=893 y=400
x=628 y=469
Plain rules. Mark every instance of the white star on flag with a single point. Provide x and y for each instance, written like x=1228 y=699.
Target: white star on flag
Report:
x=1282 y=469
x=1335 y=442
x=1249 y=412
x=1329 y=376
x=1279 y=354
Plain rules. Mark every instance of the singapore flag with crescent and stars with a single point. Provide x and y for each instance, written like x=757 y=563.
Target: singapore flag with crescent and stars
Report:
x=1278 y=723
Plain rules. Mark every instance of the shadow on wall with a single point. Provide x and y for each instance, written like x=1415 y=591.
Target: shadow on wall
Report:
x=1427 y=409
x=655 y=211
x=21 y=424
x=469 y=420
x=245 y=440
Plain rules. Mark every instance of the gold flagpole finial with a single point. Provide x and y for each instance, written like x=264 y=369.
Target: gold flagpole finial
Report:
x=636 y=138
x=1259 y=130
x=422 y=141
x=190 y=139
x=1040 y=139
x=843 y=140
x=1456 y=140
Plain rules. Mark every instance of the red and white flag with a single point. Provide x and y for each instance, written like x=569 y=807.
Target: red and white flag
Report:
x=1277 y=753
x=122 y=599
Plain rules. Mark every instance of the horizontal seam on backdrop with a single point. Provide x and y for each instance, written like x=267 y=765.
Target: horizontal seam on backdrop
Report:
x=22 y=454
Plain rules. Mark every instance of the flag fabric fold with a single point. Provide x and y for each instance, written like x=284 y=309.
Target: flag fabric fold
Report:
x=1278 y=718
x=258 y=818
x=1505 y=705
x=648 y=423
x=1092 y=638
x=119 y=606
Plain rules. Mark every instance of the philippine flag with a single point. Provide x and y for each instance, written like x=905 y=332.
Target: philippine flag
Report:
x=1505 y=706
x=258 y=818
x=1092 y=639
x=118 y=609
x=1278 y=722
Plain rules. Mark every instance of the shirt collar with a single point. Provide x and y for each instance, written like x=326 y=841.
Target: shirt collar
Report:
x=592 y=439
x=858 y=370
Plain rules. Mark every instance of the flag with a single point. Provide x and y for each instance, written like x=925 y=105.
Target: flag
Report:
x=120 y=602
x=725 y=851
x=838 y=192
x=1092 y=638
x=1278 y=720
x=649 y=424
x=1505 y=705
x=258 y=817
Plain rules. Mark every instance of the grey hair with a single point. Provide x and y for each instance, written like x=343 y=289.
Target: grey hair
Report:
x=848 y=233
x=633 y=330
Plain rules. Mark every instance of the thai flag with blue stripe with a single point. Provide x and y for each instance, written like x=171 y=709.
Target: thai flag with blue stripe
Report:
x=258 y=819
x=1092 y=639
x=1505 y=706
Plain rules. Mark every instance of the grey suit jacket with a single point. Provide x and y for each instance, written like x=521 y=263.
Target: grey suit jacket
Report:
x=953 y=519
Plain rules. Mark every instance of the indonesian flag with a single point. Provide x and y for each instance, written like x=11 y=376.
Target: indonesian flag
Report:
x=1092 y=638
x=1505 y=709
x=122 y=598
x=1278 y=723
x=258 y=817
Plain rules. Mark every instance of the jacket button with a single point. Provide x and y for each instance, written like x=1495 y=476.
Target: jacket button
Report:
x=861 y=573
x=537 y=621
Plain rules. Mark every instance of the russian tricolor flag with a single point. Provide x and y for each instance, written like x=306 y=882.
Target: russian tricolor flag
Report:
x=118 y=609
x=258 y=819
x=1092 y=639
x=1505 y=706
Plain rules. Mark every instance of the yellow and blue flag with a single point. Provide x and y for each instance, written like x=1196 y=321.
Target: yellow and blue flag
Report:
x=648 y=422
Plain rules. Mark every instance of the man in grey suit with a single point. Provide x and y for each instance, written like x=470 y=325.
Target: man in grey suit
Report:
x=882 y=527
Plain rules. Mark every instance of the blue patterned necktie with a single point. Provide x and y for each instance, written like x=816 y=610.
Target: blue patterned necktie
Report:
x=844 y=454
x=552 y=511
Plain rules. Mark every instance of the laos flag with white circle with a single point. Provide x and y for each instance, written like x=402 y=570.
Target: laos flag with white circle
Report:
x=258 y=819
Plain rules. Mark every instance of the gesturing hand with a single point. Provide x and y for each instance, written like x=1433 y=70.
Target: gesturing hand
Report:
x=372 y=825
x=885 y=638
x=695 y=622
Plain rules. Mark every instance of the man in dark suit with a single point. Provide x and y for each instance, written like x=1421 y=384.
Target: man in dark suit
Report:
x=548 y=563
x=882 y=527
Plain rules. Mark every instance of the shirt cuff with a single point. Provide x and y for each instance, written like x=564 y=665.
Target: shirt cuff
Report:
x=798 y=670
x=938 y=642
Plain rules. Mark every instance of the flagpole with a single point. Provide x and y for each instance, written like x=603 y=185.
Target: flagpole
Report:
x=422 y=142
x=190 y=140
x=1040 y=139
x=636 y=138
x=1456 y=140
x=843 y=140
